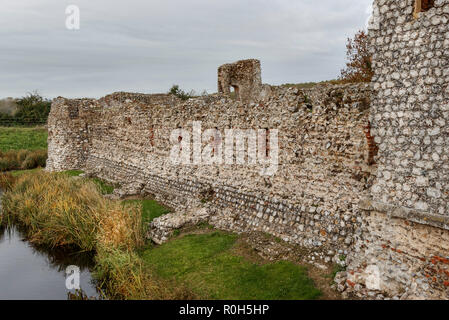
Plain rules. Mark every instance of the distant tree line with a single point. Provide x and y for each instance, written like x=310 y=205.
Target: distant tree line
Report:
x=32 y=109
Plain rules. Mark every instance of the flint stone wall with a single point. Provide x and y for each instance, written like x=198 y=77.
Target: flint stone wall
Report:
x=410 y=106
x=245 y=76
x=405 y=229
x=313 y=198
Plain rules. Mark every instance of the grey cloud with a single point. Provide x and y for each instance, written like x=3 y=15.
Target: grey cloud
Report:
x=146 y=46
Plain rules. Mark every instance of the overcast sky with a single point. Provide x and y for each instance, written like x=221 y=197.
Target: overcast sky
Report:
x=148 y=45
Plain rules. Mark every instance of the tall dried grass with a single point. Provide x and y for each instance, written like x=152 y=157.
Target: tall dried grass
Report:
x=22 y=159
x=62 y=211
x=7 y=180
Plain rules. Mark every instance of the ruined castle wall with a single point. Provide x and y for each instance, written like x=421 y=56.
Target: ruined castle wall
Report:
x=410 y=107
x=68 y=134
x=244 y=76
x=405 y=232
x=311 y=200
x=385 y=202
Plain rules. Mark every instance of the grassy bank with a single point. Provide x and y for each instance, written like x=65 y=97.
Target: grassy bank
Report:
x=60 y=210
x=23 y=138
x=22 y=148
x=310 y=85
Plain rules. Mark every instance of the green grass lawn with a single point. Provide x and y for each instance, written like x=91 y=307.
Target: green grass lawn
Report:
x=17 y=173
x=151 y=209
x=104 y=186
x=22 y=138
x=207 y=264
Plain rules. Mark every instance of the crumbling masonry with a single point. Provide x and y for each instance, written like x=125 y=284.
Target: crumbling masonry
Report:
x=243 y=76
x=363 y=169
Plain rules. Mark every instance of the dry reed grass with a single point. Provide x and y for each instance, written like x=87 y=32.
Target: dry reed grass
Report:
x=62 y=211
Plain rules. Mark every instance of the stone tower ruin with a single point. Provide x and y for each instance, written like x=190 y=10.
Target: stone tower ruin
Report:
x=243 y=76
x=404 y=248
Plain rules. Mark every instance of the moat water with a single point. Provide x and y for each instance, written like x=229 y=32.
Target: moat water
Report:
x=31 y=273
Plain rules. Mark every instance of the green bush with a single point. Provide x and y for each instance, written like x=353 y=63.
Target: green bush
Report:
x=181 y=94
x=31 y=109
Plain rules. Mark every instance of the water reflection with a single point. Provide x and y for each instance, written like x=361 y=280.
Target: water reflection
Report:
x=32 y=272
